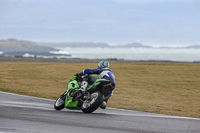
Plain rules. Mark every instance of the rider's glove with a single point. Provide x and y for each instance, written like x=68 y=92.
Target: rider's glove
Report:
x=77 y=75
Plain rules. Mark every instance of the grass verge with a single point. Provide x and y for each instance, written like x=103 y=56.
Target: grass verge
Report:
x=172 y=89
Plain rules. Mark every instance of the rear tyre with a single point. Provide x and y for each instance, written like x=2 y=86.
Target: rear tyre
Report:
x=60 y=102
x=91 y=105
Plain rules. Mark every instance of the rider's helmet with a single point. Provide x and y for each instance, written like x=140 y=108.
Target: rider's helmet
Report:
x=103 y=64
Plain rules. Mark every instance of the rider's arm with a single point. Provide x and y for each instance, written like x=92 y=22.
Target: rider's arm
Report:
x=88 y=71
x=91 y=71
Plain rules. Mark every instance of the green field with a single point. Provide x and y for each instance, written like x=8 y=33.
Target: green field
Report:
x=151 y=87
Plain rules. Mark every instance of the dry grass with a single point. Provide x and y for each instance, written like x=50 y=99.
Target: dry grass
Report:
x=152 y=87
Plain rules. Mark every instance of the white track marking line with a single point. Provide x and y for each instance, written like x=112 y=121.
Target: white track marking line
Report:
x=156 y=116
x=26 y=96
x=30 y=107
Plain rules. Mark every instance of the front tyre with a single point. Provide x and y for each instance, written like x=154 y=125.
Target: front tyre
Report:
x=91 y=105
x=60 y=102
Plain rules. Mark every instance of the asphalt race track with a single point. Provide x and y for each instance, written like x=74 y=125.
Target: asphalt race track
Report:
x=24 y=114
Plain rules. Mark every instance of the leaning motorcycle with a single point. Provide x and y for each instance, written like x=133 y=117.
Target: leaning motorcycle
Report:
x=87 y=101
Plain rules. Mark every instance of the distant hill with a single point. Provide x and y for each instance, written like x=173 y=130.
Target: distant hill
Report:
x=183 y=47
x=133 y=45
x=14 y=45
x=92 y=45
x=193 y=46
x=75 y=44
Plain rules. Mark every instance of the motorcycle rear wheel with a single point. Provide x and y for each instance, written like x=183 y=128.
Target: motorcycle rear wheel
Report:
x=91 y=105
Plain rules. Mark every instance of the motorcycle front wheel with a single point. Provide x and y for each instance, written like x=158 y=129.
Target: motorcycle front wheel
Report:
x=60 y=102
x=93 y=103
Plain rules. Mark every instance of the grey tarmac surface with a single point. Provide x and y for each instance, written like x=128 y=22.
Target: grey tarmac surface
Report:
x=25 y=114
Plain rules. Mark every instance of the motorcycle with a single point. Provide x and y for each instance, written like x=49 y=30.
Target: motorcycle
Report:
x=87 y=101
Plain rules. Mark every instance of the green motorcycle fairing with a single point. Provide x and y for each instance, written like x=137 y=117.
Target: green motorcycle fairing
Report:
x=73 y=84
x=69 y=103
x=97 y=82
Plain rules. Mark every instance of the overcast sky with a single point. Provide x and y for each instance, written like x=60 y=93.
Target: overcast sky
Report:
x=156 y=22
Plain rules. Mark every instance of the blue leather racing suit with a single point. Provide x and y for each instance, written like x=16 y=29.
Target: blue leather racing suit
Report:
x=101 y=73
x=104 y=73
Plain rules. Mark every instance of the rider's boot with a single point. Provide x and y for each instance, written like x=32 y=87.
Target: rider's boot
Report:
x=103 y=105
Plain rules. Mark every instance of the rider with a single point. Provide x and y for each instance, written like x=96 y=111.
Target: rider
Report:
x=102 y=72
